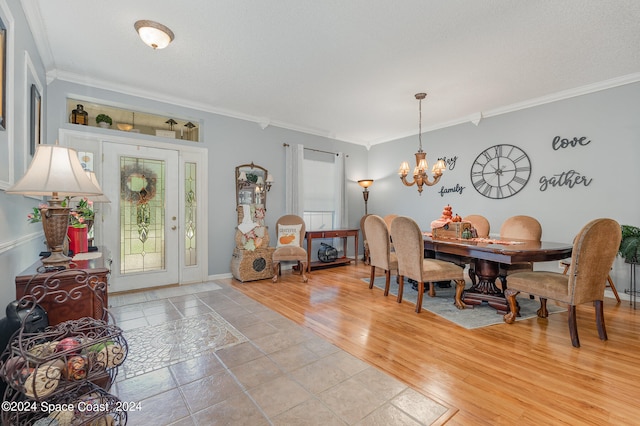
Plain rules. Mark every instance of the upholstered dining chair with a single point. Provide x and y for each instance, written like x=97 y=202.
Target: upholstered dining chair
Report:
x=483 y=228
x=409 y=244
x=594 y=250
x=365 y=242
x=380 y=250
x=290 y=230
x=520 y=228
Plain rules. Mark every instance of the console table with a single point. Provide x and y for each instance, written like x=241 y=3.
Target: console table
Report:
x=332 y=233
x=86 y=303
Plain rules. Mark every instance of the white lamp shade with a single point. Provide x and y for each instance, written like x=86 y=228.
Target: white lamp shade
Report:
x=97 y=198
x=154 y=34
x=55 y=169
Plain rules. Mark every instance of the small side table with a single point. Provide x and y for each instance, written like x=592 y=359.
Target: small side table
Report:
x=332 y=233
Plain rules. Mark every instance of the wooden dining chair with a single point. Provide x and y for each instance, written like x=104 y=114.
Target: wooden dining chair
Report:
x=380 y=250
x=594 y=250
x=409 y=245
x=520 y=228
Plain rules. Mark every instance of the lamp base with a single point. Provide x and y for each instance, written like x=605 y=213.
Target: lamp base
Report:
x=57 y=258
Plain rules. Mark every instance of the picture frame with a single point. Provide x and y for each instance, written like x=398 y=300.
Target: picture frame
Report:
x=35 y=119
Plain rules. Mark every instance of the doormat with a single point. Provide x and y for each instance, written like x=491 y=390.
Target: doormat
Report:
x=479 y=316
x=155 y=347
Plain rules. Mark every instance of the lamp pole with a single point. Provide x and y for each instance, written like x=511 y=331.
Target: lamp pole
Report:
x=365 y=183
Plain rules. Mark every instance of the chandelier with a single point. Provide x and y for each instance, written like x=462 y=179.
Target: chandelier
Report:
x=420 y=177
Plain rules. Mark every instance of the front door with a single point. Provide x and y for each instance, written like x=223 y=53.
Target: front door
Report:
x=141 y=222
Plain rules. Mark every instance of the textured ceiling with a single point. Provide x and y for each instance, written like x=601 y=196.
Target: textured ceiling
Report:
x=346 y=69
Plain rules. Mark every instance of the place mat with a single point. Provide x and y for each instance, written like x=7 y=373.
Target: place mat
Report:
x=473 y=317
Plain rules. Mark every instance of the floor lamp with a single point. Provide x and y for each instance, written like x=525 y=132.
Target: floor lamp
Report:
x=365 y=183
x=56 y=172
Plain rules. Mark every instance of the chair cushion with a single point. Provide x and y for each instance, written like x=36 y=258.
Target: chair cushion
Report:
x=295 y=253
x=439 y=270
x=288 y=235
x=553 y=285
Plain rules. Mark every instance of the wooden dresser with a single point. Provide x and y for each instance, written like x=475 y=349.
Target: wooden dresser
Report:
x=86 y=303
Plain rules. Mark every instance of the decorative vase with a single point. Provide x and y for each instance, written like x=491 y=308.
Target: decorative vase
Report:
x=79 y=115
x=78 y=242
x=104 y=124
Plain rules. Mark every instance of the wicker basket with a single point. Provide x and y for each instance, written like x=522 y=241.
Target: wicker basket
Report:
x=247 y=265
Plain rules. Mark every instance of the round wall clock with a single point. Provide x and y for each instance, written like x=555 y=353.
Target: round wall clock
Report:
x=500 y=171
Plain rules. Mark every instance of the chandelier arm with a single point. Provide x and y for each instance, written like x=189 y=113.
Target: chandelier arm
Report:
x=406 y=182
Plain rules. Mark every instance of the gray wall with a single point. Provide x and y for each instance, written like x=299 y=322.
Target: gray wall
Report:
x=608 y=118
x=230 y=142
x=20 y=242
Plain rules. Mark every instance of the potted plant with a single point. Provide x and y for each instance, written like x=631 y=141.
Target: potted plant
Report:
x=630 y=244
x=103 y=120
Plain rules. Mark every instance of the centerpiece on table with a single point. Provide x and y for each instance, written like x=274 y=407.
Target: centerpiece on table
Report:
x=450 y=226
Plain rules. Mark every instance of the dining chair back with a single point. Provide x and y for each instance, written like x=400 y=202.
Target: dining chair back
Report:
x=594 y=250
x=290 y=230
x=520 y=228
x=380 y=250
x=479 y=223
x=409 y=245
x=566 y=264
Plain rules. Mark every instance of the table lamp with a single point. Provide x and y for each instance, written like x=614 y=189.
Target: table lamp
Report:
x=56 y=172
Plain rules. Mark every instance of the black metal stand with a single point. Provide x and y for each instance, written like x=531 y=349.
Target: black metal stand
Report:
x=633 y=291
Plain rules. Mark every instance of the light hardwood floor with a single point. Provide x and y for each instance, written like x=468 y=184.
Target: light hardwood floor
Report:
x=524 y=373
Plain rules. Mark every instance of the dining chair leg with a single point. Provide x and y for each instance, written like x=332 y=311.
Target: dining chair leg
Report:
x=400 y=288
x=573 y=326
x=543 y=312
x=373 y=276
x=613 y=288
x=602 y=331
x=432 y=289
x=510 y=316
x=420 y=294
x=387 y=282
x=460 y=284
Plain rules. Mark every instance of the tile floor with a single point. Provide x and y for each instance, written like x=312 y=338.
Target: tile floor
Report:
x=282 y=374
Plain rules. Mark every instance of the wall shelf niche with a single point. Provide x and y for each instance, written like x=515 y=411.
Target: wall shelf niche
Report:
x=129 y=120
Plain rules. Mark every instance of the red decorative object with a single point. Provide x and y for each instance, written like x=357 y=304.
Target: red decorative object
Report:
x=78 y=242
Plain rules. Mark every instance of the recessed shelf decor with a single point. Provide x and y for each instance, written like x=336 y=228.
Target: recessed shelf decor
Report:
x=129 y=120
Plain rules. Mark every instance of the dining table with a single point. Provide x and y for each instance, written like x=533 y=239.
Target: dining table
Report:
x=488 y=254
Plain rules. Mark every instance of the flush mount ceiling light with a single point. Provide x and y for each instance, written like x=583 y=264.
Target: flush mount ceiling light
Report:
x=154 y=34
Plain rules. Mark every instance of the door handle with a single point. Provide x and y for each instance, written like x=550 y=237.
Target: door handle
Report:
x=173 y=228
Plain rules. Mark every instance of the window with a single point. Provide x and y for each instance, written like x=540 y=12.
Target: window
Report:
x=319 y=199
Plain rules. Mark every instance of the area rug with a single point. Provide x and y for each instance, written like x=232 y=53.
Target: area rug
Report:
x=442 y=305
x=155 y=347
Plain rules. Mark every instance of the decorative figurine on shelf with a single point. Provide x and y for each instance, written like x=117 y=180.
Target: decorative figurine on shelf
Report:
x=79 y=115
